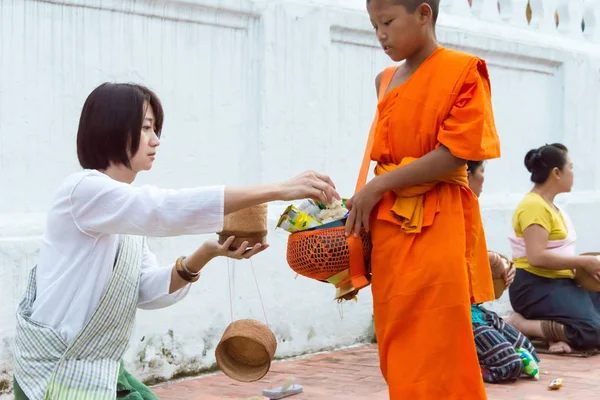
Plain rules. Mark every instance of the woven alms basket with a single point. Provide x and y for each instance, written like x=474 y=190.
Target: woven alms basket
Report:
x=584 y=279
x=248 y=224
x=246 y=350
x=498 y=262
x=328 y=255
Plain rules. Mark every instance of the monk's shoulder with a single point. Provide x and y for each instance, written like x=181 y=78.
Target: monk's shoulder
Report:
x=385 y=75
x=378 y=81
x=459 y=56
x=467 y=65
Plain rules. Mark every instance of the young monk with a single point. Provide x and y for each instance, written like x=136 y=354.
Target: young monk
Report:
x=429 y=261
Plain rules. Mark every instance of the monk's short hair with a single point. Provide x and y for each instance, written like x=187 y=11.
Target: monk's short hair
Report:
x=111 y=122
x=411 y=6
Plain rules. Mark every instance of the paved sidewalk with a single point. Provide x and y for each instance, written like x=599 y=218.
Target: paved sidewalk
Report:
x=354 y=374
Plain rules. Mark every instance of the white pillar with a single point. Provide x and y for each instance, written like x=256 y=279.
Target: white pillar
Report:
x=570 y=14
x=542 y=15
x=486 y=9
x=456 y=7
x=591 y=15
x=514 y=12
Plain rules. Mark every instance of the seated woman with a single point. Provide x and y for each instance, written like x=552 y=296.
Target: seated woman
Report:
x=496 y=341
x=547 y=301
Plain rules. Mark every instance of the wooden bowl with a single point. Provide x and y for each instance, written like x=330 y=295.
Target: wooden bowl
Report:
x=239 y=240
x=246 y=350
x=499 y=283
x=584 y=279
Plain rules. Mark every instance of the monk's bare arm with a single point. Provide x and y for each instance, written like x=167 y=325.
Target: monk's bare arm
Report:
x=378 y=83
x=437 y=163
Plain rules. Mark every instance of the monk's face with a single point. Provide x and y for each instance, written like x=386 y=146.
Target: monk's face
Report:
x=400 y=33
x=476 y=179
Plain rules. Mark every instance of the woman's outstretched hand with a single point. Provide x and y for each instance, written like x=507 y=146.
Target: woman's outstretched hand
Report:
x=214 y=249
x=310 y=185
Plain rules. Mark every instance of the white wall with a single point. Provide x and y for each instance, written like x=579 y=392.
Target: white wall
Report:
x=257 y=91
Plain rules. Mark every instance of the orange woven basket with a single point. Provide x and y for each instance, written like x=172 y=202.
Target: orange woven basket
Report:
x=321 y=254
x=327 y=254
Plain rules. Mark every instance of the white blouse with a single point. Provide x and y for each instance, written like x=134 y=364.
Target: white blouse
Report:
x=80 y=243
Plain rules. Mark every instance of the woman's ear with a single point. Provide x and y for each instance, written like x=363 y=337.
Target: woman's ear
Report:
x=556 y=172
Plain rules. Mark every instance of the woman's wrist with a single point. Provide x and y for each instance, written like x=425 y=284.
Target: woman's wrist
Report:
x=198 y=260
x=183 y=271
x=273 y=192
x=581 y=262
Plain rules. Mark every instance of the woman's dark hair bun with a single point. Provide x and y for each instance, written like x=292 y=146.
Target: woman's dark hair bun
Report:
x=540 y=162
x=530 y=158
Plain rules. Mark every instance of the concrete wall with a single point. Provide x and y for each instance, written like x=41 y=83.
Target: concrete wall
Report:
x=257 y=91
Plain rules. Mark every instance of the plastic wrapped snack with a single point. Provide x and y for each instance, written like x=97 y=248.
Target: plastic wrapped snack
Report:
x=311 y=208
x=530 y=366
x=555 y=384
x=293 y=220
x=333 y=212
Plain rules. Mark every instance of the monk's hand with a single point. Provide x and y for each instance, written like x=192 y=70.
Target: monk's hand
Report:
x=509 y=278
x=360 y=206
x=310 y=185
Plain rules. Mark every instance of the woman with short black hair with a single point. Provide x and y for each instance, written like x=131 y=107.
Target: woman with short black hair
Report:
x=75 y=320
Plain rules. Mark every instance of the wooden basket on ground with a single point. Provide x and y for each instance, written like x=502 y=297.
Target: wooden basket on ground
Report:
x=327 y=255
x=584 y=279
x=248 y=224
x=498 y=262
x=246 y=350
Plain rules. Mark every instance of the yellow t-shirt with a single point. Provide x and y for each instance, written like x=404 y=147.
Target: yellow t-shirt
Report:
x=533 y=210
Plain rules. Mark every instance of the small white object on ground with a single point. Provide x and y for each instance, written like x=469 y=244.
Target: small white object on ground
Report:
x=287 y=389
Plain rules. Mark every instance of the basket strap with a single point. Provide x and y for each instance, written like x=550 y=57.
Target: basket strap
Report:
x=358 y=270
x=386 y=79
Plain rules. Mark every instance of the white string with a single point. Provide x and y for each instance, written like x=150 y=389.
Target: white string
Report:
x=230 y=291
x=259 y=294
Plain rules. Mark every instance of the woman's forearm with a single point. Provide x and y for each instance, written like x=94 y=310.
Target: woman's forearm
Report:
x=237 y=198
x=434 y=164
x=195 y=262
x=547 y=259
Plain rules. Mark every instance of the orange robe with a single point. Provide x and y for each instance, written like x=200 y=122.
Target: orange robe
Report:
x=424 y=283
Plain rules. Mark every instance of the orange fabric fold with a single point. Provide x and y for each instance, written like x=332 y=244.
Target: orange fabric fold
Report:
x=409 y=204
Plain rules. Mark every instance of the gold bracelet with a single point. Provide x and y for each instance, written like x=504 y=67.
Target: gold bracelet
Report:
x=185 y=273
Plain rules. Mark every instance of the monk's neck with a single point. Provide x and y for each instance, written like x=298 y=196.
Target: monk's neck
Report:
x=413 y=62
